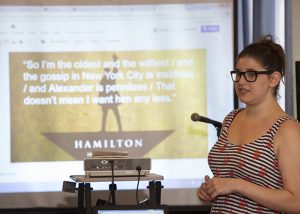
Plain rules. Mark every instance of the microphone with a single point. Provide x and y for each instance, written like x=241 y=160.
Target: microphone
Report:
x=197 y=118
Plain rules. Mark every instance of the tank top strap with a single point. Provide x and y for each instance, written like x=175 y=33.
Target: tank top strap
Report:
x=230 y=117
x=278 y=123
x=228 y=120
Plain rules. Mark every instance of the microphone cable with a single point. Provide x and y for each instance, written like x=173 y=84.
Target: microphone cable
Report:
x=138 y=168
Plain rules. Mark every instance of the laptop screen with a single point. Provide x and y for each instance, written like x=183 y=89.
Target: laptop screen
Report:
x=131 y=209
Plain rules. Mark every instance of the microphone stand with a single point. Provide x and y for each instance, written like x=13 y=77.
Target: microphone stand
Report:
x=113 y=186
x=218 y=128
x=197 y=118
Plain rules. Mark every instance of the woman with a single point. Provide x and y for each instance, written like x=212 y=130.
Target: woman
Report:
x=256 y=161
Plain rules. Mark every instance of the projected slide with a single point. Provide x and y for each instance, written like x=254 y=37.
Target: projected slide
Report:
x=80 y=78
x=72 y=103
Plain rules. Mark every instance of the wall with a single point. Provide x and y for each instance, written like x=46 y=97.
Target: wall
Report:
x=296 y=29
x=295 y=46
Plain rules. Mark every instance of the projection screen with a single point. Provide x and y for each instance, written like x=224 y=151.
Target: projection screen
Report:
x=110 y=76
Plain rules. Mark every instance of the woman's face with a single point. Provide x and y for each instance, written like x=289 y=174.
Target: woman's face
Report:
x=252 y=92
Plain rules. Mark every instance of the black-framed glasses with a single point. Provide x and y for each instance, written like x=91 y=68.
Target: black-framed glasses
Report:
x=250 y=76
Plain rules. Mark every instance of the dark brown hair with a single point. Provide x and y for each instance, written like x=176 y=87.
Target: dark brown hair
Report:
x=268 y=54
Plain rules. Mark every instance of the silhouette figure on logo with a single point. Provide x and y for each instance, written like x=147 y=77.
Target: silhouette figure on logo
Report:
x=110 y=105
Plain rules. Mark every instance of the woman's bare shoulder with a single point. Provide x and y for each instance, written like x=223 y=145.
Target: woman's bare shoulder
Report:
x=289 y=132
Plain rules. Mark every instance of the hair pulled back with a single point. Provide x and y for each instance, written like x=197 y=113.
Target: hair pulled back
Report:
x=268 y=54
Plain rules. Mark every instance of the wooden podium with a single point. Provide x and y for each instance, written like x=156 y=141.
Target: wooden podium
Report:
x=84 y=188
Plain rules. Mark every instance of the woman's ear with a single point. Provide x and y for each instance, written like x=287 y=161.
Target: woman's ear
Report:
x=275 y=78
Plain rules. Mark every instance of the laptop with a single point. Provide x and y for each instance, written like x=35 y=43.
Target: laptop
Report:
x=131 y=209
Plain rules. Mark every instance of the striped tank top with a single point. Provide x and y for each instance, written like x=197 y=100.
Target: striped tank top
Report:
x=254 y=162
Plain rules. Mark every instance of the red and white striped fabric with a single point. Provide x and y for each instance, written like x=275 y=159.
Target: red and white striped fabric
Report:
x=254 y=162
